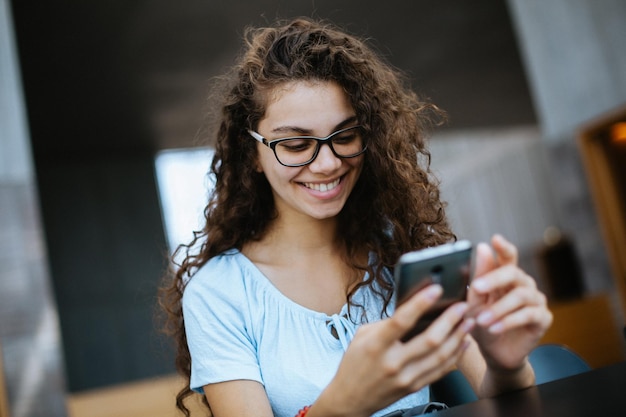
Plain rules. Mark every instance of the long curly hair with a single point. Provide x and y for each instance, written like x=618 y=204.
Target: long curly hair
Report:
x=395 y=205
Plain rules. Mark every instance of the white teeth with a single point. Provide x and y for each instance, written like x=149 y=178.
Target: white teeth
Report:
x=322 y=187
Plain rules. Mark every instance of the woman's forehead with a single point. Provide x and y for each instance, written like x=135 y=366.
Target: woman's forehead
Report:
x=307 y=105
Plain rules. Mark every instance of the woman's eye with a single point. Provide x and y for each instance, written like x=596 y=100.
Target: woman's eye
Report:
x=345 y=138
x=296 y=145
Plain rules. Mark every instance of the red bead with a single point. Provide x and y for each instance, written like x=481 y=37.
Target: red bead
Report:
x=303 y=411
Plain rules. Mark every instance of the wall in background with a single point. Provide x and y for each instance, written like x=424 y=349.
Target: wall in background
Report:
x=30 y=341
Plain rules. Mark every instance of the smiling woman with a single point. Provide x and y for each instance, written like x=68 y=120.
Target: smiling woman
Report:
x=322 y=181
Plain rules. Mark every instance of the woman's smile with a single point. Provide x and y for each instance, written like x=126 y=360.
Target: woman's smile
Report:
x=323 y=187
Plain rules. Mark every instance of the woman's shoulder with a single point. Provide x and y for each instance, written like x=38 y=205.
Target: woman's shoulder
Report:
x=228 y=273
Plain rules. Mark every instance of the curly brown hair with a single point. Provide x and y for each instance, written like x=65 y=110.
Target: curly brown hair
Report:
x=395 y=205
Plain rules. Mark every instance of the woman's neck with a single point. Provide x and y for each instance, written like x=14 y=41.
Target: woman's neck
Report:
x=304 y=260
x=299 y=233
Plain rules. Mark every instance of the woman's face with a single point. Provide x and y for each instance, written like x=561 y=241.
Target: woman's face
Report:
x=313 y=108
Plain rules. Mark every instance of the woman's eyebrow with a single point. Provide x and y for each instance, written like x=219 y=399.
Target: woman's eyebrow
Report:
x=346 y=122
x=290 y=129
x=308 y=132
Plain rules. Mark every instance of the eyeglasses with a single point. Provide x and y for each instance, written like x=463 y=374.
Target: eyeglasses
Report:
x=297 y=151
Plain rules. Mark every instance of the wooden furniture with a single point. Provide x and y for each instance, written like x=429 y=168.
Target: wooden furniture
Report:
x=4 y=401
x=589 y=327
x=603 y=150
x=149 y=398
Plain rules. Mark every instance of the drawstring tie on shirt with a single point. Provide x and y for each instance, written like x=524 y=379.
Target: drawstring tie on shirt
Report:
x=343 y=328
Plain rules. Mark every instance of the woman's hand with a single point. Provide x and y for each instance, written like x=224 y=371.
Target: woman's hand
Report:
x=510 y=312
x=378 y=369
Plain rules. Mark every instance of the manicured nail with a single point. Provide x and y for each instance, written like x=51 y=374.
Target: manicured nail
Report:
x=461 y=309
x=480 y=285
x=434 y=291
x=484 y=317
x=496 y=328
x=466 y=344
x=468 y=325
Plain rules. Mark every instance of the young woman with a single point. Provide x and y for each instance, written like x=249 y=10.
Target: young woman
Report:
x=321 y=182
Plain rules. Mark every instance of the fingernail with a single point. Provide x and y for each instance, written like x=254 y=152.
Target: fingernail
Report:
x=480 y=285
x=484 y=317
x=434 y=291
x=461 y=308
x=483 y=247
x=468 y=325
x=496 y=328
x=466 y=344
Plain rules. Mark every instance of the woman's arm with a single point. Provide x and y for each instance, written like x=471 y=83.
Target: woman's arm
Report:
x=488 y=383
x=238 y=398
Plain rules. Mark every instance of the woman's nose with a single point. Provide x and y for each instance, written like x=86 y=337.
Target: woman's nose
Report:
x=326 y=160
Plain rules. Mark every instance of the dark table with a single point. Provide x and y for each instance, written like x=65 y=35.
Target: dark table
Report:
x=600 y=392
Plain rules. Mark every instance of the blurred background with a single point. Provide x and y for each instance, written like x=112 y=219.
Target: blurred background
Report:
x=102 y=172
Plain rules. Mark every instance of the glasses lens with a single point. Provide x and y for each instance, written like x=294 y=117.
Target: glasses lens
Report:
x=348 y=142
x=295 y=151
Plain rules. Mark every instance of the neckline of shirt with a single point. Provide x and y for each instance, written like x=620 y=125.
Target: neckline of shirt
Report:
x=260 y=278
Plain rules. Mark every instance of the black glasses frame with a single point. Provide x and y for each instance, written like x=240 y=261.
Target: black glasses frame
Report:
x=319 y=142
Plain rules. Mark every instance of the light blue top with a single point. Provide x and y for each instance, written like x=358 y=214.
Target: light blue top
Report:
x=239 y=326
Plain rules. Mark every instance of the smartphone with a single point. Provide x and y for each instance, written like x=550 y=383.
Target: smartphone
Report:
x=449 y=265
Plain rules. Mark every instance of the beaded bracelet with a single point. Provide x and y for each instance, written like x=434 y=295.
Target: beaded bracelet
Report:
x=303 y=411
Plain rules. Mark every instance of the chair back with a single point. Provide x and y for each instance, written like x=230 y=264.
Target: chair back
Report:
x=550 y=362
x=553 y=361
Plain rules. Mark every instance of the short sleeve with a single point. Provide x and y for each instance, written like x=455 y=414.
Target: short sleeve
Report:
x=217 y=321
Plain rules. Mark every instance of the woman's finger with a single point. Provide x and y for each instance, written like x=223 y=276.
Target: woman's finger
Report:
x=506 y=252
x=502 y=278
x=536 y=316
x=407 y=313
x=502 y=252
x=440 y=330
x=513 y=301
x=436 y=362
x=485 y=260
